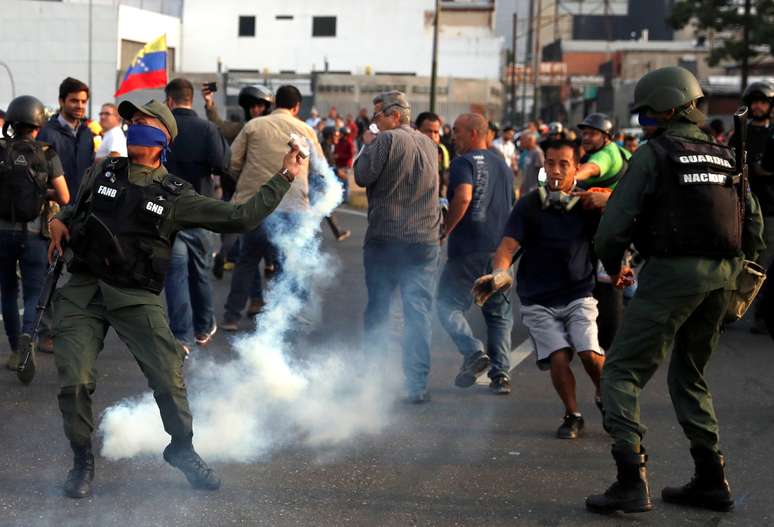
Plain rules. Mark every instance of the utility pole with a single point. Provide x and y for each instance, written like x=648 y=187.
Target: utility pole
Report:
x=512 y=106
x=745 y=66
x=556 y=20
x=527 y=60
x=434 y=69
x=536 y=68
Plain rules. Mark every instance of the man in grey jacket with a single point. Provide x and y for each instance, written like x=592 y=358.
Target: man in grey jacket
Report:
x=399 y=169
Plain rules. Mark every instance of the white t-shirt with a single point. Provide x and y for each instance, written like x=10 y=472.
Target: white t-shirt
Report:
x=506 y=148
x=112 y=141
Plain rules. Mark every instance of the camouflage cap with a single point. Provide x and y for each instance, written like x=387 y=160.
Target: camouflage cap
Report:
x=391 y=99
x=152 y=108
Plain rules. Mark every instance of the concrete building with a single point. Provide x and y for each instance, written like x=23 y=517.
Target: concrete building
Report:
x=341 y=36
x=43 y=42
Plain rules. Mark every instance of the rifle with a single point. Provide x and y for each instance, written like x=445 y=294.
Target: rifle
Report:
x=25 y=371
x=740 y=155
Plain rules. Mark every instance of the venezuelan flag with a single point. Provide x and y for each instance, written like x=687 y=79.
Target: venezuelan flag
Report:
x=148 y=69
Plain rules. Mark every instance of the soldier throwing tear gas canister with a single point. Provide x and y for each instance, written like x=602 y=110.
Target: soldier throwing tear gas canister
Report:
x=680 y=205
x=120 y=235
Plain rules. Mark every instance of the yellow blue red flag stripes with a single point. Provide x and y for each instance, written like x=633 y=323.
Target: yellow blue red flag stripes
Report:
x=148 y=69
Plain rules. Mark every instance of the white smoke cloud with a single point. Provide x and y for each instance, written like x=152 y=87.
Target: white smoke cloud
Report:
x=265 y=398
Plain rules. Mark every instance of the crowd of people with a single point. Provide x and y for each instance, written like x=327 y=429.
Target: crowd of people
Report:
x=134 y=202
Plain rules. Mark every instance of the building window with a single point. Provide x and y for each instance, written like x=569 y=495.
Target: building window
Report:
x=246 y=26
x=324 y=26
x=284 y=17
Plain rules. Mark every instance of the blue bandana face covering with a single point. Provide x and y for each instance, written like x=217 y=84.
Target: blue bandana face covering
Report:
x=644 y=120
x=144 y=135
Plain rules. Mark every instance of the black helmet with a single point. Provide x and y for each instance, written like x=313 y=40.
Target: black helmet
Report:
x=26 y=109
x=598 y=121
x=251 y=95
x=758 y=90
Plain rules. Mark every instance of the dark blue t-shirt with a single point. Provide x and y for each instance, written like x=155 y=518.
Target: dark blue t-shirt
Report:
x=480 y=228
x=556 y=266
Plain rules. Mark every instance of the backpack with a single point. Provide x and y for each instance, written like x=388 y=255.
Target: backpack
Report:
x=23 y=179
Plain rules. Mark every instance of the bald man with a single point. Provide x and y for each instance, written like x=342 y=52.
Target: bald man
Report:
x=480 y=200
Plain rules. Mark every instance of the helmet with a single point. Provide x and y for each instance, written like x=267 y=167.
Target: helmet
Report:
x=758 y=90
x=598 y=121
x=666 y=88
x=250 y=95
x=26 y=109
x=555 y=128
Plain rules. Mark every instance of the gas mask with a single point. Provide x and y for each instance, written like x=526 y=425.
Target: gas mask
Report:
x=554 y=199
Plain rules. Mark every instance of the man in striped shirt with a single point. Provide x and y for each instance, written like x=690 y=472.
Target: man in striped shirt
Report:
x=398 y=167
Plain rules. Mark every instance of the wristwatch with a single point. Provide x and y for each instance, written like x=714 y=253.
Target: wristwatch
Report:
x=286 y=174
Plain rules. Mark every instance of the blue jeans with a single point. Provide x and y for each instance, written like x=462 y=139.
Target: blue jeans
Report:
x=454 y=298
x=188 y=288
x=246 y=279
x=30 y=252
x=412 y=268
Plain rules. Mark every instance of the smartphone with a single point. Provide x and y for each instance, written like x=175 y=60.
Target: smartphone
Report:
x=211 y=86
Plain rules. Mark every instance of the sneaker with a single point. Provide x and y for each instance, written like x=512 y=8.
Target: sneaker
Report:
x=343 y=235
x=420 y=397
x=203 y=339
x=229 y=325
x=471 y=368
x=196 y=471
x=13 y=360
x=255 y=306
x=500 y=385
x=571 y=428
x=228 y=266
x=46 y=344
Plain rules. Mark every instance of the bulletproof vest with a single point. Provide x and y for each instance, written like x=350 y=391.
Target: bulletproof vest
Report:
x=695 y=210
x=123 y=235
x=23 y=179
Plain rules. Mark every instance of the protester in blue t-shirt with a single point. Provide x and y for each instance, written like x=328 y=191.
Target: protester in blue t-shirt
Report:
x=555 y=278
x=480 y=198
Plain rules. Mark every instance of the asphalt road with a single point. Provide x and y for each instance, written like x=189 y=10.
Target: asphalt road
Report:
x=466 y=458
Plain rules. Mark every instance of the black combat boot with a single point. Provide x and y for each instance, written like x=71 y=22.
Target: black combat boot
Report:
x=708 y=488
x=196 y=471
x=630 y=492
x=78 y=483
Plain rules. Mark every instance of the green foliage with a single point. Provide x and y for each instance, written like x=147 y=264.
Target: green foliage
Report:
x=728 y=16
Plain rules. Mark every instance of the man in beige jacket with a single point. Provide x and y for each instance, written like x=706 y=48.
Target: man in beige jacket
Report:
x=262 y=143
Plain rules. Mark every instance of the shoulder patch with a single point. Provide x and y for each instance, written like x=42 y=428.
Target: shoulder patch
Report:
x=173 y=184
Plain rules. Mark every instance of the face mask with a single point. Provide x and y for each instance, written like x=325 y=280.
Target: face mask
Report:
x=555 y=199
x=644 y=120
x=144 y=135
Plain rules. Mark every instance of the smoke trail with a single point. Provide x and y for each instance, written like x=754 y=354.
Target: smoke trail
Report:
x=265 y=398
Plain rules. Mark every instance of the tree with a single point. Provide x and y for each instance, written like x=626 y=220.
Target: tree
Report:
x=748 y=23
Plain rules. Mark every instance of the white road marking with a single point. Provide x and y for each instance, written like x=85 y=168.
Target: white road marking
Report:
x=518 y=354
x=352 y=212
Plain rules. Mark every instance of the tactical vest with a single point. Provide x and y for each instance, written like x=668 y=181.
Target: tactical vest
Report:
x=23 y=179
x=123 y=236
x=695 y=210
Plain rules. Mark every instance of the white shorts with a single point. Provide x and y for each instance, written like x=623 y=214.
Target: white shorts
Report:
x=573 y=326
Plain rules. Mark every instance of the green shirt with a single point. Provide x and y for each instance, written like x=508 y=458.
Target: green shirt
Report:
x=610 y=161
x=191 y=210
x=668 y=276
